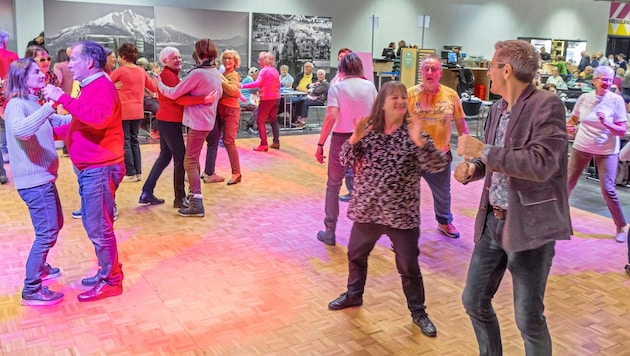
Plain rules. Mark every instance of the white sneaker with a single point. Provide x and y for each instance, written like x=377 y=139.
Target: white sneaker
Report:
x=621 y=237
x=130 y=179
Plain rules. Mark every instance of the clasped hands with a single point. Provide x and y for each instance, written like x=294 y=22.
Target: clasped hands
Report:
x=469 y=147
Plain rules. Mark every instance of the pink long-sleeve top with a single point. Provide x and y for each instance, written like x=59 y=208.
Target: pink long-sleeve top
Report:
x=268 y=82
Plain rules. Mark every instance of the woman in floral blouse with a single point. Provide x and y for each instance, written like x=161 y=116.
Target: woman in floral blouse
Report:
x=388 y=153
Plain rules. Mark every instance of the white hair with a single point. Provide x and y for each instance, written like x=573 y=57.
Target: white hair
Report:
x=166 y=52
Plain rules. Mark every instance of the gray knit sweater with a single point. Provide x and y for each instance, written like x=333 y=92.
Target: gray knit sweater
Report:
x=32 y=151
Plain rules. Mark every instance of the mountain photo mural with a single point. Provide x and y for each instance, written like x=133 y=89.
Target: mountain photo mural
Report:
x=110 y=25
x=181 y=28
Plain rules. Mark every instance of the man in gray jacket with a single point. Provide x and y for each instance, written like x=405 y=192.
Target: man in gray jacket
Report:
x=524 y=206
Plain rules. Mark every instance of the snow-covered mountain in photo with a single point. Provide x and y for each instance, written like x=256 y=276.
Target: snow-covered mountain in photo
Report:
x=124 y=24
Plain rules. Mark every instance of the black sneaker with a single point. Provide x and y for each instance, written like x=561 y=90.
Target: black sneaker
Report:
x=346 y=300
x=425 y=324
x=327 y=237
x=44 y=296
x=50 y=272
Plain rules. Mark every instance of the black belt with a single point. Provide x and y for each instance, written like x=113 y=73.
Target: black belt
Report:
x=499 y=213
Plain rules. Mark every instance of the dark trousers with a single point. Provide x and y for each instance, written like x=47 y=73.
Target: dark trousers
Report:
x=529 y=270
x=362 y=240
x=133 y=161
x=171 y=146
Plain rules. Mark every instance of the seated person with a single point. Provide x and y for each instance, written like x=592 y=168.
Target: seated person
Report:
x=556 y=79
x=317 y=94
x=301 y=83
x=286 y=80
x=251 y=98
x=587 y=74
x=619 y=74
x=575 y=78
x=550 y=87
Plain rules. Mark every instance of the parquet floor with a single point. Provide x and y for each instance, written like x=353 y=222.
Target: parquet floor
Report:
x=251 y=279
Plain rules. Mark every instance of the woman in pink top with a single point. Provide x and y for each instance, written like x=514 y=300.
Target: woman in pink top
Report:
x=269 y=84
x=131 y=80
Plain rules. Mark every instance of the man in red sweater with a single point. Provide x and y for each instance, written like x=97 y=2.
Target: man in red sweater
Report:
x=95 y=144
x=6 y=57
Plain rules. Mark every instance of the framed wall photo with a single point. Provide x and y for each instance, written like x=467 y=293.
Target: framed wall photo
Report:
x=107 y=24
x=293 y=39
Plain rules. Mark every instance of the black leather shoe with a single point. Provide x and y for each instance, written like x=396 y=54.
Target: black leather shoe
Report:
x=92 y=281
x=327 y=237
x=181 y=203
x=148 y=198
x=100 y=291
x=344 y=198
x=425 y=324
x=345 y=300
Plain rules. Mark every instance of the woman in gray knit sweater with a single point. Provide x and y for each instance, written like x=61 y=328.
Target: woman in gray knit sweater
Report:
x=34 y=162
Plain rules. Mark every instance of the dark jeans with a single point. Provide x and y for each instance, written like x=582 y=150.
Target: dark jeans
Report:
x=133 y=162
x=97 y=187
x=47 y=218
x=308 y=103
x=336 y=172
x=268 y=110
x=529 y=270
x=171 y=146
x=362 y=240
x=440 y=185
x=212 y=140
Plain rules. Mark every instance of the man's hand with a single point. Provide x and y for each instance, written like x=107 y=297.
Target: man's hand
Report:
x=463 y=171
x=469 y=146
x=319 y=154
x=52 y=92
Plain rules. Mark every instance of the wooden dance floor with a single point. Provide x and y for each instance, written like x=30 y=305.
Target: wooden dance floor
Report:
x=251 y=279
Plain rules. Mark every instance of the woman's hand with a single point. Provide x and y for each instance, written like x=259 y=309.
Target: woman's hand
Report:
x=414 y=129
x=361 y=130
x=118 y=85
x=211 y=97
x=319 y=154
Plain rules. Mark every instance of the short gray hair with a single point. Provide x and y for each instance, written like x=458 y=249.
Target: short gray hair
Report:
x=4 y=36
x=166 y=52
x=600 y=71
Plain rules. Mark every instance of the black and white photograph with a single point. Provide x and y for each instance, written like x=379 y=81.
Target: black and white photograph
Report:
x=7 y=24
x=110 y=25
x=293 y=39
x=181 y=28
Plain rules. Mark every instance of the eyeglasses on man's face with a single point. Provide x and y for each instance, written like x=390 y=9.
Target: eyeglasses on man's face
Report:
x=496 y=64
x=44 y=59
x=433 y=69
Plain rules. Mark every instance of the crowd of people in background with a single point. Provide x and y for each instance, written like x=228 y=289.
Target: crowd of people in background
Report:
x=384 y=141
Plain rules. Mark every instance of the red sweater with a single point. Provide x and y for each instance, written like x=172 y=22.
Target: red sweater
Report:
x=6 y=57
x=95 y=135
x=134 y=80
x=173 y=110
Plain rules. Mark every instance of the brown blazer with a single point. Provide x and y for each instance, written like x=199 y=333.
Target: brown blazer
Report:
x=535 y=158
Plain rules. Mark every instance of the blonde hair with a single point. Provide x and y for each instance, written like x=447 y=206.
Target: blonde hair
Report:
x=232 y=53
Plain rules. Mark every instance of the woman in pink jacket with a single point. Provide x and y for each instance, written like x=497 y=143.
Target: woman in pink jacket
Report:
x=269 y=84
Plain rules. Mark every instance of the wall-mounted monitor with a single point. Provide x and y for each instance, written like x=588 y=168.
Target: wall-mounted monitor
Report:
x=388 y=53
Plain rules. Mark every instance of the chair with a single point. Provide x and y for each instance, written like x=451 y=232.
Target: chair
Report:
x=315 y=112
x=473 y=111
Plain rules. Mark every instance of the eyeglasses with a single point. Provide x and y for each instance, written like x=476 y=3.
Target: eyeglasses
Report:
x=42 y=60
x=428 y=69
x=495 y=64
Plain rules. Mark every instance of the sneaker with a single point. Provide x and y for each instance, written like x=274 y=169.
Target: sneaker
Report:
x=4 y=179
x=344 y=198
x=43 y=296
x=50 y=272
x=130 y=179
x=425 y=324
x=327 y=237
x=346 y=300
x=194 y=209
x=76 y=214
x=139 y=177
x=621 y=237
x=213 y=178
x=448 y=230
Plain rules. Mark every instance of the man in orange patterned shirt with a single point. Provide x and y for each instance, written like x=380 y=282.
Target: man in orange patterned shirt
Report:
x=438 y=106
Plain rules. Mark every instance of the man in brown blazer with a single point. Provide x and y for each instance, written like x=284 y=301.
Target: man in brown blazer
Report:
x=524 y=207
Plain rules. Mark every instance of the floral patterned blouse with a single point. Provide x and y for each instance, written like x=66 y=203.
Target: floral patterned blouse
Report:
x=387 y=176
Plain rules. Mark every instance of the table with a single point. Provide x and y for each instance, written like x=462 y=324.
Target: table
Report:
x=288 y=95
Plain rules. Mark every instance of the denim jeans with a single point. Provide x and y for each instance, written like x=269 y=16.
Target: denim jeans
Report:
x=607 y=170
x=268 y=109
x=194 y=144
x=3 y=136
x=97 y=187
x=47 y=217
x=308 y=103
x=171 y=146
x=226 y=124
x=529 y=270
x=336 y=172
x=440 y=184
x=405 y=242
x=133 y=161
